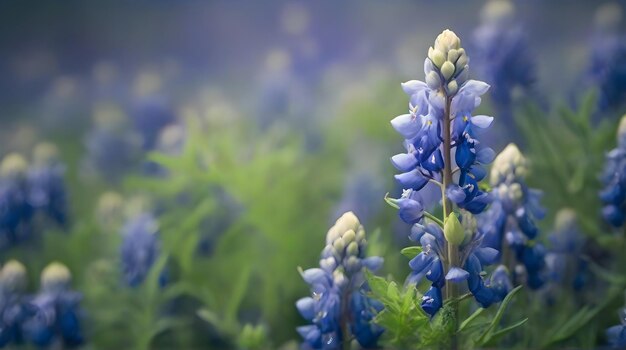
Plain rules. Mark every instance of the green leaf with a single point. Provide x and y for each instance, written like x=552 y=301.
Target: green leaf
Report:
x=377 y=284
x=504 y=331
x=486 y=336
x=470 y=320
x=411 y=252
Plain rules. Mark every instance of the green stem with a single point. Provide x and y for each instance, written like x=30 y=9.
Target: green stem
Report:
x=452 y=249
x=433 y=218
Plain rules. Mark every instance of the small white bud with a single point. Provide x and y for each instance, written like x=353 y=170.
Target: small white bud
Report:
x=55 y=277
x=453 y=55
x=447 y=70
x=13 y=164
x=446 y=41
x=13 y=276
x=508 y=162
x=353 y=249
x=453 y=87
x=436 y=56
x=433 y=81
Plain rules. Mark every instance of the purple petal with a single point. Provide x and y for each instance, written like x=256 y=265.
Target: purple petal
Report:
x=487 y=255
x=306 y=307
x=412 y=87
x=474 y=87
x=485 y=155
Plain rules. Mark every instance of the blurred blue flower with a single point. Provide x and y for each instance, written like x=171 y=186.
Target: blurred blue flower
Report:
x=613 y=194
x=338 y=302
x=607 y=66
x=500 y=48
x=47 y=191
x=564 y=261
x=616 y=335
x=140 y=248
x=508 y=225
x=16 y=211
x=57 y=317
x=150 y=115
x=113 y=148
x=14 y=309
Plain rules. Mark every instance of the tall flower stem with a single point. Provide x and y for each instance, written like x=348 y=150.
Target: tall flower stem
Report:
x=452 y=249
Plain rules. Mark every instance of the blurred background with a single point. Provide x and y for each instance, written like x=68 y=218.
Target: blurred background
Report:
x=180 y=159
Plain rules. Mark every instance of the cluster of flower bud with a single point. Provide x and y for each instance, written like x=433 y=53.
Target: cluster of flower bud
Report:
x=446 y=67
x=345 y=247
x=509 y=166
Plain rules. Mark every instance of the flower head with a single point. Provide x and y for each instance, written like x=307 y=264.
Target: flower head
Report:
x=613 y=196
x=140 y=248
x=337 y=291
x=511 y=218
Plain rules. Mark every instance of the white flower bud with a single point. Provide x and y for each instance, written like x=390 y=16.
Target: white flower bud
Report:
x=348 y=237
x=509 y=162
x=13 y=164
x=13 y=276
x=565 y=219
x=515 y=192
x=447 y=70
x=446 y=41
x=339 y=245
x=453 y=55
x=436 y=56
x=55 y=277
x=461 y=62
x=453 y=87
x=347 y=221
x=339 y=278
x=353 y=249
x=45 y=153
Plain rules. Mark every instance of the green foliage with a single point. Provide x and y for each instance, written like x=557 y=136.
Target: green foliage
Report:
x=567 y=152
x=402 y=317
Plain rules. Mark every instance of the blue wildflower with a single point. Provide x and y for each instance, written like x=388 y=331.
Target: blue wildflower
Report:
x=500 y=46
x=429 y=264
x=47 y=191
x=13 y=306
x=150 y=115
x=446 y=73
x=338 y=302
x=57 y=317
x=614 y=179
x=509 y=224
x=616 y=335
x=16 y=211
x=564 y=260
x=112 y=147
x=140 y=248
x=607 y=66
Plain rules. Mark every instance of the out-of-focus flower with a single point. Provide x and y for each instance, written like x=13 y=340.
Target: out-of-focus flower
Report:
x=607 y=67
x=614 y=179
x=110 y=211
x=509 y=225
x=616 y=335
x=16 y=211
x=113 y=148
x=57 y=318
x=500 y=47
x=337 y=303
x=47 y=191
x=140 y=247
x=564 y=262
x=13 y=306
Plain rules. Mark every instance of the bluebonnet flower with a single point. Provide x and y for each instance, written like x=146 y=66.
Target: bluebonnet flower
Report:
x=150 y=115
x=614 y=179
x=112 y=147
x=446 y=72
x=16 y=211
x=338 y=304
x=13 y=306
x=616 y=335
x=47 y=191
x=501 y=48
x=607 y=66
x=140 y=248
x=564 y=260
x=509 y=225
x=429 y=264
x=57 y=318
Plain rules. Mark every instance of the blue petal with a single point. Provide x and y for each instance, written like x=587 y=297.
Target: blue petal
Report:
x=306 y=307
x=407 y=125
x=435 y=273
x=481 y=121
x=474 y=87
x=421 y=262
x=412 y=179
x=487 y=255
x=456 y=194
x=457 y=275
x=485 y=155
x=404 y=161
x=314 y=276
x=412 y=87
x=373 y=263
x=432 y=301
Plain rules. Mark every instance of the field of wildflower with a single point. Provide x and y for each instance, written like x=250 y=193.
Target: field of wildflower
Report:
x=313 y=175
